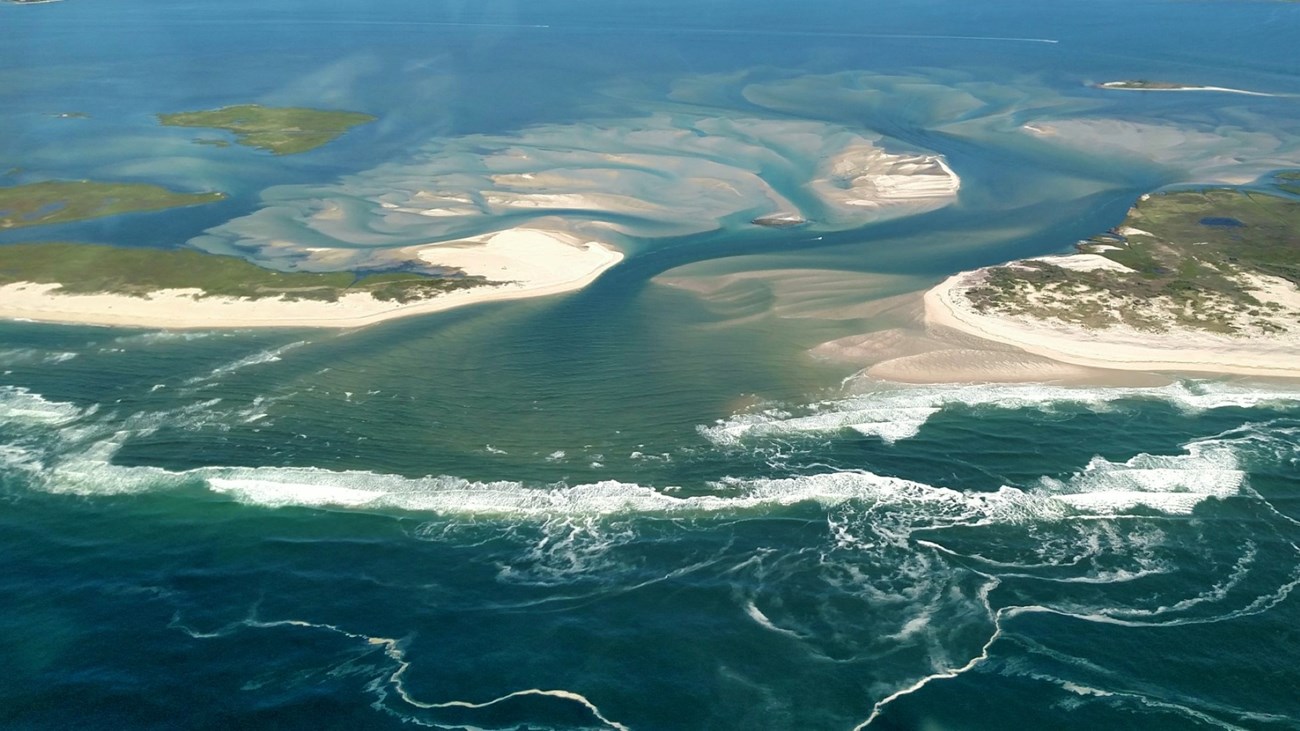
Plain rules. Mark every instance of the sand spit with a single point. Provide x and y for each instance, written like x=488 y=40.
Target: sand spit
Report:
x=1126 y=86
x=1116 y=347
x=524 y=262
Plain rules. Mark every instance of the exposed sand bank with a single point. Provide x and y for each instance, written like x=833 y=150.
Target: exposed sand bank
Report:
x=1116 y=347
x=524 y=262
x=866 y=177
x=1124 y=86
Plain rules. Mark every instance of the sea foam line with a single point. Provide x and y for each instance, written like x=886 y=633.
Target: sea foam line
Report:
x=394 y=650
x=995 y=616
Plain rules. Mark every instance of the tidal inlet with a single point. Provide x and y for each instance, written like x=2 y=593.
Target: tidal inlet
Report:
x=732 y=366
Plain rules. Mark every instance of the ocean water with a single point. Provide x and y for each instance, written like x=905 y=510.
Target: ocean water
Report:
x=641 y=505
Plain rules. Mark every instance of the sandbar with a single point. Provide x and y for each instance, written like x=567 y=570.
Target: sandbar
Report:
x=1166 y=86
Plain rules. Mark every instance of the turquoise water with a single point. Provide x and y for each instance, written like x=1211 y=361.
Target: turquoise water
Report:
x=636 y=506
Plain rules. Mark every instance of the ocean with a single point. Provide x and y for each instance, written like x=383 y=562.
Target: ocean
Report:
x=643 y=505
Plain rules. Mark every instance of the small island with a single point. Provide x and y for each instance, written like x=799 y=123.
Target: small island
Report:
x=1145 y=85
x=278 y=130
x=780 y=220
x=1204 y=281
x=64 y=201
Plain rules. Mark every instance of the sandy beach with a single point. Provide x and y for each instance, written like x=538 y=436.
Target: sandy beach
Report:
x=1115 y=347
x=525 y=262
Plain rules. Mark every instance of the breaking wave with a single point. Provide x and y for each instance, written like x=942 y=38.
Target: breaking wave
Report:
x=65 y=449
x=895 y=413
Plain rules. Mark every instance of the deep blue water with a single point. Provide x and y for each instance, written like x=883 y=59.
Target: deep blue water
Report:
x=636 y=507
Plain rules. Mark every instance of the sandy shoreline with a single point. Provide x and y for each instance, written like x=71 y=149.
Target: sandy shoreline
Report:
x=1116 y=347
x=528 y=262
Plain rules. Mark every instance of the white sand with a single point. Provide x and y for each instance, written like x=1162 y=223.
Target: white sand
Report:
x=527 y=262
x=1115 y=347
x=1083 y=262
x=1115 y=86
x=866 y=176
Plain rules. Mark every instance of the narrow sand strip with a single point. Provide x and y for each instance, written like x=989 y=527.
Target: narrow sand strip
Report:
x=1115 y=86
x=527 y=262
x=1115 y=347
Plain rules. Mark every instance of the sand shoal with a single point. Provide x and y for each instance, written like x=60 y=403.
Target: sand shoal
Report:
x=523 y=263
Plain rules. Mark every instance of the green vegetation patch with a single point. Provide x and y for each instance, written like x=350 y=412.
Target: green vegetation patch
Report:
x=1187 y=250
x=1192 y=240
x=62 y=201
x=280 y=130
x=96 y=269
x=1289 y=181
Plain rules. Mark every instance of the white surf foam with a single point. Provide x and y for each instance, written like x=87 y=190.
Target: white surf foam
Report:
x=1173 y=484
x=18 y=356
x=1167 y=483
x=898 y=412
x=1209 y=468
x=75 y=456
x=19 y=405
x=270 y=355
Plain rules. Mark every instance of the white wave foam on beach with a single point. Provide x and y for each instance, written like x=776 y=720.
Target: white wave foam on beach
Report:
x=894 y=413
